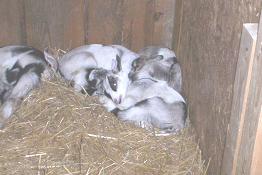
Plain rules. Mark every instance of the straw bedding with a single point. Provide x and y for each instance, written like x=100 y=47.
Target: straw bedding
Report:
x=59 y=131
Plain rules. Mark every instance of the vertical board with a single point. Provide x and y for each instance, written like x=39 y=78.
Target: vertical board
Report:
x=177 y=25
x=256 y=166
x=70 y=23
x=164 y=19
x=253 y=111
x=104 y=21
x=241 y=90
x=55 y=23
x=133 y=23
x=137 y=23
x=208 y=52
x=12 y=22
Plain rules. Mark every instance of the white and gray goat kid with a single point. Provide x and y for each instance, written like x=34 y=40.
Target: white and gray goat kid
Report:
x=21 y=68
x=149 y=102
x=158 y=63
x=76 y=66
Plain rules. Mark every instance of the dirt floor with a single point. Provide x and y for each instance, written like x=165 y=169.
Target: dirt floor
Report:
x=59 y=131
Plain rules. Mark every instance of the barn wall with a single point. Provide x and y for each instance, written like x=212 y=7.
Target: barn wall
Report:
x=204 y=33
x=70 y=23
x=208 y=45
x=12 y=24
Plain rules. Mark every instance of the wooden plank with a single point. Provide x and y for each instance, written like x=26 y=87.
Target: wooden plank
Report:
x=177 y=25
x=149 y=22
x=133 y=23
x=164 y=19
x=104 y=21
x=253 y=111
x=209 y=46
x=56 y=23
x=256 y=166
x=133 y=31
x=241 y=90
x=12 y=22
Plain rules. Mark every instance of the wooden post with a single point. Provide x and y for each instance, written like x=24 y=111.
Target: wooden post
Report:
x=243 y=131
x=256 y=166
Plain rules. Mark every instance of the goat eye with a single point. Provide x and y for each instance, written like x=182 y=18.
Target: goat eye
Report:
x=113 y=83
x=134 y=64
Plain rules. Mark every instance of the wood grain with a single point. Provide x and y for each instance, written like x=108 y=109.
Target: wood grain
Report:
x=177 y=25
x=55 y=23
x=164 y=20
x=208 y=53
x=12 y=22
x=241 y=91
x=67 y=24
x=133 y=24
x=104 y=23
x=253 y=111
x=256 y=166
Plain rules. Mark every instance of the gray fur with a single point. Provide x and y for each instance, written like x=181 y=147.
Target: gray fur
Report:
x=150 y=102
x=158 y=63
x=115 y=58
x=155 y=112
x=21 y=68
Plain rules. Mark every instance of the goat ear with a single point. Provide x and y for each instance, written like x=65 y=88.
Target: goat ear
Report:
x=12 y=75
x=116 y=64
x=119 y=66
x=51 y=60
x=158 y=57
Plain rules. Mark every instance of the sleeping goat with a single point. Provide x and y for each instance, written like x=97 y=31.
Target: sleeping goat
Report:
x=21 y=68
x=147 y=103
x=76 y=66
x=158 y=63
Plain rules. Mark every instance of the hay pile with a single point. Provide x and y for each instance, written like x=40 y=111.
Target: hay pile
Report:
x=58 y=131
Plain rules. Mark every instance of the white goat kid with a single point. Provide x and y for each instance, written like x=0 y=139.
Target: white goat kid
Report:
x=147 y=102
x=154 y=104
x=158 y=63
x=76 y=65
x=21 y=68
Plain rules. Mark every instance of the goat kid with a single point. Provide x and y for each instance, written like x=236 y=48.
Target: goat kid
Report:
x=148 y=102
x=76 y=65
x=158 y=63
x=21 y=68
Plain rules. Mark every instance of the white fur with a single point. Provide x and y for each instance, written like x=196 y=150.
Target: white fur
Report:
x=161 y=106
x=166 y=53
x=170 y=117
x=158 y=63
x=98 y=56
x=145 y=89
x=15 y=92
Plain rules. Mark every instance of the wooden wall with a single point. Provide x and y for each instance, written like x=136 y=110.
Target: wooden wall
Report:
x=12 y=22
x=205 y=34
x=70 y=23
x=208 y=44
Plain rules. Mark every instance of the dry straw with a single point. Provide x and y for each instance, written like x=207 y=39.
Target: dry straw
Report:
x=58 y=131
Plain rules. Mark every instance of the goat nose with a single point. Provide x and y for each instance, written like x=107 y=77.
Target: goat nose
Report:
x=118 y=100
x=115 y=101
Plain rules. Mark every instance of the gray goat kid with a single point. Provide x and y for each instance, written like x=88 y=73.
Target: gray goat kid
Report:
x=148 y=102
x=158 y=63
x=21 y=68
x=76 y=66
